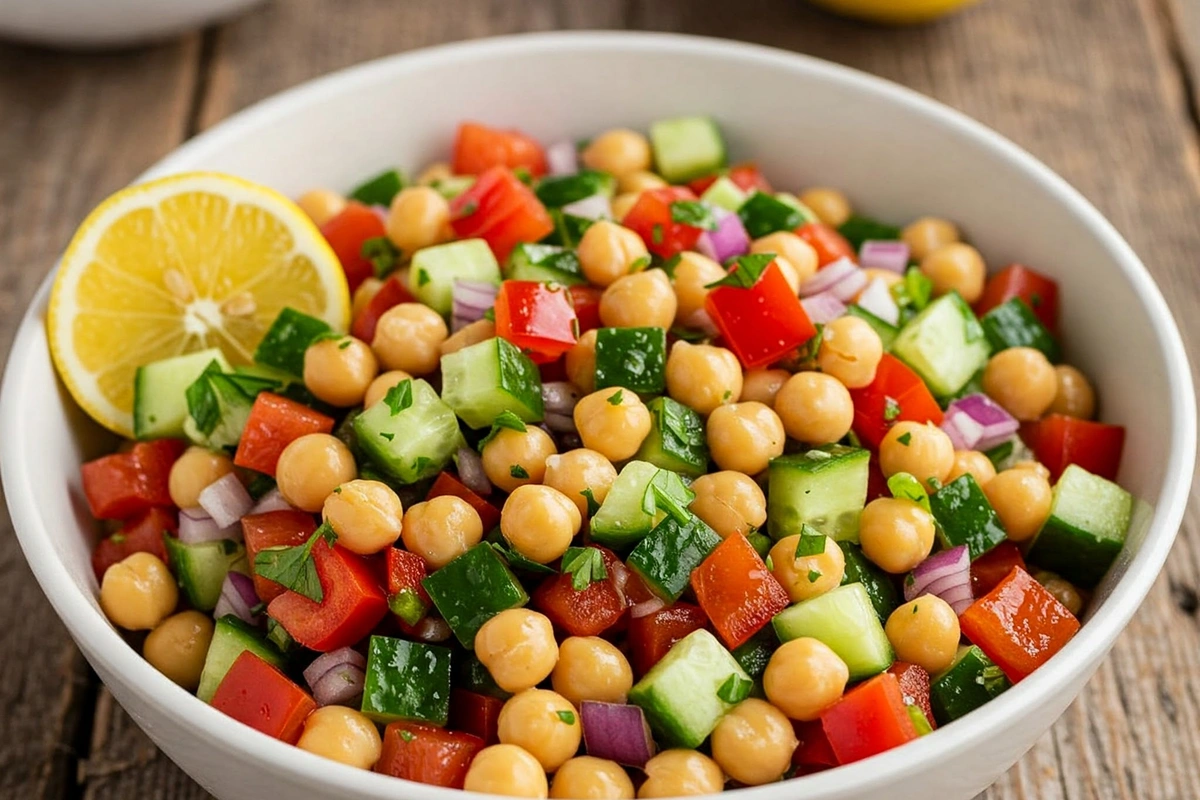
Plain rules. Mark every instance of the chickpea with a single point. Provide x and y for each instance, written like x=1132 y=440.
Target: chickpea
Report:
x=729 y=502
x=608 y=251
x=762 y=385
x=830 y=205
x=589 y=668
x=703 y=376
x=956 y=267
x=419 y=217
x=435 y=172
x=680 y=773
x=850 y=351
x=895 y=534
x=790 y=274
x=580 y=470
x=1021 y=380
x=539 y=522
x=1021 y=498
x=973 y=463
x=193 y=472
x=928 y=234
x=365 y=515
x=692 y=274
x=640 y=181
x=1063 y=591
x=321 y=205
x=641 y=300
x=815 y=408
x=544 y=723
x=515 y=458
x=923 y=450
x=384 y=384
x=409 y=337
x=798 y=253
x=581 y=362
x=745 y=437
x=1074 y=395
x=623 y=203
x=343 y=735
x=311 y=467
x=754 y=743
x=138 y=593
x=364 y=294
x=619 y=151
x=478 y=331
x=508 y=770
x=517 y=646
x=804 y=677
x=925 y=632
x=613 y=422
x=338 y=371
x=178 y=647
x=807 y=576
x=1036 y=466
x=591 y=778
x=441 y=529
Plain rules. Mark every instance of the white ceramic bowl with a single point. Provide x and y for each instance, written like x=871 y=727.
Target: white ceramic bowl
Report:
x=806 y=122
x=109 y=23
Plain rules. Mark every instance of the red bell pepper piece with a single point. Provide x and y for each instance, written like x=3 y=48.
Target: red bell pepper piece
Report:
x=405 y=571
x=1039 y=293
x=994 y=566
x=346 y=234
x=123 y=485
x=538 y=318
x=762 y=323
x=896 y=394
x=869 y=719
x=476 y=714
x=1019 y=625
x=353 y=604
x=283 y=528
x=587 y=612
x=142 y=534
x=651 y=219
x=273 y=424
x=737 y=591
x=392 y=293
x=501 y=210
x=744 y=176
x=257 y=694
x=427 y=754
x=813 y=750
x=586 y=300
x=1059 y=441
x=652 y=635
x=829 y=244
x=449 y=484
x=478 y=148
x=914 y=685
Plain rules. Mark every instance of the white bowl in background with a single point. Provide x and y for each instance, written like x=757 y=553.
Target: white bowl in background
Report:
x=109 y=23
x=806 y=122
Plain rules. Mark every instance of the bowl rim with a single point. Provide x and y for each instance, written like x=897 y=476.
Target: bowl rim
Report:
x=97 y=637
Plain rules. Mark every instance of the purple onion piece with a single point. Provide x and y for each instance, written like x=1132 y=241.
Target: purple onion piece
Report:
x=596 y=206
x=617 y=732
x=226 y=500
x=976 y=422
x=877 y=298
x=828 y=276
x=847 y=288
x=727 y=241
x=381 y=212
x=946 y=574
x=470 y=471
x=647 y=607
x=562 y=158
x=823 y=308
x=196 y=527
x=328 y=661
x=271 y=501
x=889 y=255
x=238 y=597
x=340 y=686
x=471 y=300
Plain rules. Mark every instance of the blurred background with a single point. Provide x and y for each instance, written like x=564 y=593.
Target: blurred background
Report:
x=1104 y=91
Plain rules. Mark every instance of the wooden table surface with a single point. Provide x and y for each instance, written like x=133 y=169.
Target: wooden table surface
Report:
x=1098 y=89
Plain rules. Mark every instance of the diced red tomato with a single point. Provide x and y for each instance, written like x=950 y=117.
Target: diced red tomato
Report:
x=123 y=485
x=392 y=293
x=1039 y=293
x=141 y=534
x=1019 y=625
x=763 y=323
x=737 y=591
x=405 y=570
x=257 y=694
x=653 y=635
x=994 y=566
x=427 y=754
x=449 y=484
x=587 y=612
x=476 y=714
x=346 y=234
x=353 y=604
x=283 y=528
x=478 y=148
x=744 y=176
x=868 y=720
x=273 y=424
x=538 y=318
x=829 y=244
x=814 y=749
x=896 y=394
x=651 y=219
x=914 y=685
x=501 y=210
x=586 y=300
x=1059 y=441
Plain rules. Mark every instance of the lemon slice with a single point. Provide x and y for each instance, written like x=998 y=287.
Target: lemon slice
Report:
x=177 y=265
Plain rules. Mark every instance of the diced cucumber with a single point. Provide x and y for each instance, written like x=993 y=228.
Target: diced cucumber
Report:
x=406 y=681
x=472 y=589
x=484 y=380
x=664 y=560
x=725 y=194
x=686 y=693
x=971 y=681
x=622 y=519
x=877 y=583
x=379 y=190
x=286 y=340
x=761 y=543
x=886 y=330
x=686 y=148
x=200 y=568
x=634 y=358
x=756 y=653
x=944 y=344
x=825 y=487
x=219 y=406
x=965 y=516
x=232 y=637
x=453 y=186
x=159 y=405
x=568 y=228
x=676 y=440
x=845 y=620
x=807 y=214
x=556 y=191
x=973 y=386
x=413 y=443
x=1010 y=452
x=1013 y=324
x=434 y=270
x=1089 y=518
x=544 y=263
x=763 y=214
x=859 y=229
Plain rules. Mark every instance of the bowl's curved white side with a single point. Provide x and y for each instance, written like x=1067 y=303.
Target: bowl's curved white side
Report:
x=110 y=23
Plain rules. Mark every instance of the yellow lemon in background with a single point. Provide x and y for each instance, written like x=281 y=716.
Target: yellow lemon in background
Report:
x=894 y=12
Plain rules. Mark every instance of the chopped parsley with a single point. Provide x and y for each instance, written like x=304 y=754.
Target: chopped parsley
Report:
x=735 y=689
x=519 y=472
x=506 y=420
x=616 y=397
x=293 y=567
x=693 y=213
x=639 y=264
x=656 y=234
x=386 y=435
x=904 y=438
x=811 y=542
x=566 y=716
x=422 y=277
x=585 y=565
x=592 y=505
x=814 y=575
x=891 y=409
x=745 y=271
x=383 y=255
x=407 y=736
x=399 y=397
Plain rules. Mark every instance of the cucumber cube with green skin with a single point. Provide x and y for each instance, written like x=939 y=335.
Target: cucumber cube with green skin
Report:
x=379 y=190
x=1084 y=534
x=858 y=229
x=406 y=681
x=676 y=440
x=622 y=519
x=763 y=214
x=687 y=693
x=232 y=637
x=434 y=270
x=484 y=380
x=568 y=228
x=886 y=330
x=687 y=147
x=219 y=405
x=453 y=186
x=413 y=443
x=286 y=340
x=877 y=583
x=971 y=681
x=825 y=487
x=725 y=194
x=544 y=263
x=807 y=214
x=201 y=568
x=556 y=191
x=973 y=386
x=964 y=516
x=756 y=653
x=844 y=620
x=1013 y=324
x=666 y=557
x=159 y=402
x=944 y=344
x=472 y=589
x=633 y=358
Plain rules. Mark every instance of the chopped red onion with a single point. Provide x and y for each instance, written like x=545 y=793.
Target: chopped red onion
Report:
x=470 y=471
x=432 y=629
x=729 y=240
x=616 y=731
x=560 y=396
x=699 y=320
x=596 y=206
x=946 y=574
x=226 y=500
x=849 y=287
x=340 y=686
x=877 y=298
x=828 y=276
x=328 y=661
x=271 y=501
x=381 y=212
x=196 y=527
x=976 y=422
x=472 y=299
x=647 y=607
x=823 y=308
x=238 y=597
x=562 y=158
x=889 y=255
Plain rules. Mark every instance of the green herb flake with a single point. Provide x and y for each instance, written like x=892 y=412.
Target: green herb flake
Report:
x=383 y=255
x=725 y=397
x=667 y=492
x=257 y=609
x=386 y=435
x=670 y=264
x=585 y=565
x=566 y=716
x=523 y=175
x=345 y=344
x=639 y=264
x=811 y=542
x=904 y=438
x=468 y=208
x=117 y=538
x=814 y=575
x=407 y=736
x=891 y=409
x=293 y=567
x=518 y=472
x=422 y=277
x=656 y=234
x=616 y=397
x=592 y=505
x=399 y=397
x=490 y=314
x=693 y=213
x=745 y=271
x=506 y=420
x=915 y=607
x=735 y=689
